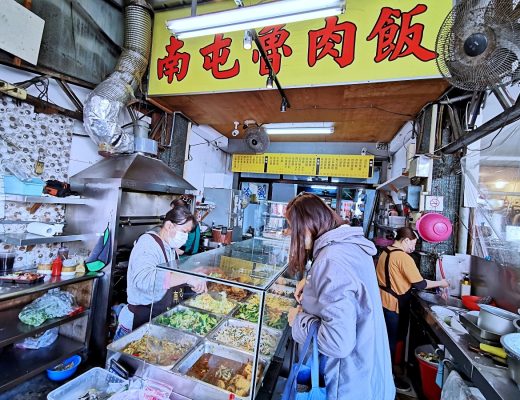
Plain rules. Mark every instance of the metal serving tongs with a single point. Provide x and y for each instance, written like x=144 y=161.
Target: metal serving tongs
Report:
x=218 y=296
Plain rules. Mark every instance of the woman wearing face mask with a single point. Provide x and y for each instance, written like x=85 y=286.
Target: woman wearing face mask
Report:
x=340 y=292
x=397 y=274
x=149 y=286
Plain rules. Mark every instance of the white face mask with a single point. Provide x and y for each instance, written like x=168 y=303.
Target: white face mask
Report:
x=178 y=240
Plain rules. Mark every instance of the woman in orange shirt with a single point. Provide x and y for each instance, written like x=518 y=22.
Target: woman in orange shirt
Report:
x=397 y=274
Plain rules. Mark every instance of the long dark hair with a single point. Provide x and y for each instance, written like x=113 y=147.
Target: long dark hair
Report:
x=405 y=233
x=307 y=212
x=180 y=216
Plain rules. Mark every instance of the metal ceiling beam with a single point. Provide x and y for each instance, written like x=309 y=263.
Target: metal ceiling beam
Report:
x=7 y=60
x=70 y=94
x=498 y=122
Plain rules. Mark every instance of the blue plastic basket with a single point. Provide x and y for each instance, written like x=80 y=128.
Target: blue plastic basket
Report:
x=13 y=185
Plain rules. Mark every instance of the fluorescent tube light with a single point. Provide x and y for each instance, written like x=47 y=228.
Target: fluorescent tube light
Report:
x=243 y=18
x=305 y=128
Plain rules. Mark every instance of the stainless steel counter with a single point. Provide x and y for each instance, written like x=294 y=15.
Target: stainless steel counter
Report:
x=492 y=381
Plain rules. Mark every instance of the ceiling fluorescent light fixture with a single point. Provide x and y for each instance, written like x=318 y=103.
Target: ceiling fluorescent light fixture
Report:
x=259 y=16
x=304 y=128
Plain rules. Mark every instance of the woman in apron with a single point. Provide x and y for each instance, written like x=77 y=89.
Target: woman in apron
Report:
x=149 y=289
x=397 y=274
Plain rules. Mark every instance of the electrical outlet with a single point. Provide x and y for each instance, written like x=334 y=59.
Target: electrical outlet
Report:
x=12 y=91
x=381 y=146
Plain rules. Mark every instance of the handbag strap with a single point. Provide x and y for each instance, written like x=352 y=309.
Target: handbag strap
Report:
x=315 y=368
x=312 y=334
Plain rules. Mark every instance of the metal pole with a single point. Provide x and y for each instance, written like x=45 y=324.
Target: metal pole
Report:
x=270 y=67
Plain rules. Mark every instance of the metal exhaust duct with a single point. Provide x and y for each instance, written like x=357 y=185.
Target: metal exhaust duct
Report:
x=104 y=104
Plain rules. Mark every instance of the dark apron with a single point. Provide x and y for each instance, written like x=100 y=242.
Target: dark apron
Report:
x=173 y=294
x=403 y=300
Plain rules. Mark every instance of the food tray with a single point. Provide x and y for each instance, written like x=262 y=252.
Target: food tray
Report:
x=12 y=279
x=241 y=323
x=189 y=304
x=266 y=321
x=290 y=302
x=157 y=331
x=286 y=282
x=281 y=290
x=222 y=351
x=95 y=378
x=184 y=308
x=469 y=322
x=239 y=295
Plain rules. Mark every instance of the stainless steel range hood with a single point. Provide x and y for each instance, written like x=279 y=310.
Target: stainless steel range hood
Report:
x=134 y=172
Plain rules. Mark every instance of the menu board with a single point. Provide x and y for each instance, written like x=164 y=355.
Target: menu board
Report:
x=343 y=166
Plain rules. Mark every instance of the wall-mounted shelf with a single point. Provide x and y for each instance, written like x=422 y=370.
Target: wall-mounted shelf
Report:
x=18 y=365
x=43 y=199
x=395 y=184
x=13 y=330
x=27 y=239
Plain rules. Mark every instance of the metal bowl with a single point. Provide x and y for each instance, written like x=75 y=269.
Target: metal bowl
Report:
x=496 y=320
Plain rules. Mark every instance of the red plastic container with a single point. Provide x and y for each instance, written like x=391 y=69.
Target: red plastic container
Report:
x=470 y=302
x=428 y=372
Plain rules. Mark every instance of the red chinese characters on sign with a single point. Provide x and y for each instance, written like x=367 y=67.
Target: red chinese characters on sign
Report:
x=325 y=42
x=216 y=54
x=394 y=40
x=273 y=40
x=175 y=64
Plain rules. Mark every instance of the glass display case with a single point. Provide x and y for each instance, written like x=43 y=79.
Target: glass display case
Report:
x=211 y=345
x=274 y=220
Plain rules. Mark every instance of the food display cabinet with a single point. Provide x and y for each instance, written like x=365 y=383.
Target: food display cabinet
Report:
x=211 y=345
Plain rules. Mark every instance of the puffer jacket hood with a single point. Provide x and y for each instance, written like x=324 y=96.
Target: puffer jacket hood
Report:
x=345 y=234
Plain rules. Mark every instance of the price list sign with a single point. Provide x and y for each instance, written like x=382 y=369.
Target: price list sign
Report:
x=346 y=166
x=249 y=163
x=294 y=164
x=343 y=166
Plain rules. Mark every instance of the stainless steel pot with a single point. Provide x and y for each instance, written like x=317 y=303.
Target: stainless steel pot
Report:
x=510 y=344
x=496 y=320
x=516 y=323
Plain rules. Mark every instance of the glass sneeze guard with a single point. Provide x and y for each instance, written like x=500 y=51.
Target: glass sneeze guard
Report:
x=254 y=264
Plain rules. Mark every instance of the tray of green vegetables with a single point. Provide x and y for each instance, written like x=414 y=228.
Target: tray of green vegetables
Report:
x=188 y=320
x=273 y=318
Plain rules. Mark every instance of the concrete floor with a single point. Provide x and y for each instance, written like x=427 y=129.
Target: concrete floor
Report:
x=34 y=389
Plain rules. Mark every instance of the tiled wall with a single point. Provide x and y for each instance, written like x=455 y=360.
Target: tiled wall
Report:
x=25 y=137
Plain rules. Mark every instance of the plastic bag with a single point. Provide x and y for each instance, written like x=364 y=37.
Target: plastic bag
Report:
x=455 y=388
x=38 y=341
x=145 y=390
x=52 y=304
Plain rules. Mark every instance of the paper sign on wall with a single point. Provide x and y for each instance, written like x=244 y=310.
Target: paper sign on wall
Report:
x=434 y=203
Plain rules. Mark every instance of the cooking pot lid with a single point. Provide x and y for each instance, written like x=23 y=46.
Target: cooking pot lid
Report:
x=499 y=312
x=511 y=343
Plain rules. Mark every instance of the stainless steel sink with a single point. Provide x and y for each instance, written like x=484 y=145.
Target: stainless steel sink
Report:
x=436 y=299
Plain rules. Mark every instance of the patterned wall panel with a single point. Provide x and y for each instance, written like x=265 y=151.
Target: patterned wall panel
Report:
x=26 y=137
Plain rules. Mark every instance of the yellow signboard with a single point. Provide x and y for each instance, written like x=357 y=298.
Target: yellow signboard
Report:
x=342 y=166
x=376 y=40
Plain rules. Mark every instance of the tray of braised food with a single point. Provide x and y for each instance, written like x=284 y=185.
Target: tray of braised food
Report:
x=224 y=368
